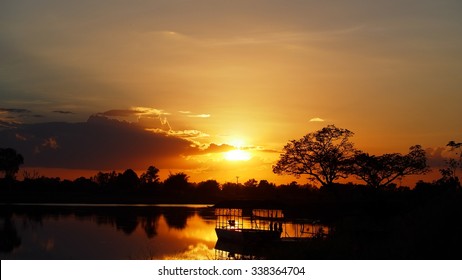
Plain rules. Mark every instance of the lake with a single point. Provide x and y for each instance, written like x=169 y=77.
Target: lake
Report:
x=67 y=231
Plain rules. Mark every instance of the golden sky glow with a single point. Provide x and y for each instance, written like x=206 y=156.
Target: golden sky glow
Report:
x=200 y=74
x=237 y=155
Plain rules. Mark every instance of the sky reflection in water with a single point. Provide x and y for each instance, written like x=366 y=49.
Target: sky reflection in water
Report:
x=116 y=232
x=128 y=233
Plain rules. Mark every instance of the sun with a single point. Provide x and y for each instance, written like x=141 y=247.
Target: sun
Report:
x=237 y=155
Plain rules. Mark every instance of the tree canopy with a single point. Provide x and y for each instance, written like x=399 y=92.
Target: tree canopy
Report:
x=324 y=155
x=10 y=161
x=384 y=169
x=177 y=182
x=449 y=172
x=151 y=176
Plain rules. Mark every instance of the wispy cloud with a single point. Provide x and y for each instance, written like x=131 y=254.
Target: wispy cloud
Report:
x=7 y=124
x=215 y=148
x=51 y=143
x=200 y=116
x=63 y=112
x=146 y=111
x=20 y=137
x=138 y=113
x=133 y=112
x=119 y=113
x=10 y=117
x=47 y=143
x=15 y=111
x=190 y=114
x=188 y=133
x=286 y=37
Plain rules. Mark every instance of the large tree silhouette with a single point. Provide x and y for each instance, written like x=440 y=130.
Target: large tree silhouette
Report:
x=9 y=162
x=324 y=155
x=382 y=170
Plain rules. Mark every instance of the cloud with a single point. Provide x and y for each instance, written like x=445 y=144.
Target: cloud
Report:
x=135 y=111
x=190 y=115
x=15 y=111
x=264 y=150
x=155 y=120
x=119 y=113
x=188 y=133
x=199 y=116
x=316 y=120
x=7 y=124
x=437 y=157
x=223 y=148
x=11 y=117
x=50 y=143
x=20 y=137
x=100 y=143
x=63 y=112
x=143 y=111
x=214 y=148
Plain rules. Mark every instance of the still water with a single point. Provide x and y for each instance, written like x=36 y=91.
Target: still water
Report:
x=111 y=232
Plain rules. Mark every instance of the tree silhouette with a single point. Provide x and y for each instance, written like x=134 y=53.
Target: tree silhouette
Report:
x=449 y=173
x=128 y=179
x=151 y=176
x=251 y=183
x=231 y=190
x=9 y=162
x=382 y=170
x=323 y=155
x=208 y=188
x=102 y=179
x=177 y=183
x=264 y=185
x=457 y=149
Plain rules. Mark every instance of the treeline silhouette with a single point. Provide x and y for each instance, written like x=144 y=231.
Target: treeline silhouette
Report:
x=128 y=187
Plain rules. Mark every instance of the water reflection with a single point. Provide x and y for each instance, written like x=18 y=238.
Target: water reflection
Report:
x=8 y=234
x=127 y=232
x=95 y=232
x=240 y=251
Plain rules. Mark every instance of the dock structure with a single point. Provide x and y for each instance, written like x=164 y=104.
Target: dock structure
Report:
x=248 y=221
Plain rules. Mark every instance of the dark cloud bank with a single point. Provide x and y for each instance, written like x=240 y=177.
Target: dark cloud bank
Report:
x=100 y=144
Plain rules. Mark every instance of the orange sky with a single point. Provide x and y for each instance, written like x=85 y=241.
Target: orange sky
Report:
x=247 y=74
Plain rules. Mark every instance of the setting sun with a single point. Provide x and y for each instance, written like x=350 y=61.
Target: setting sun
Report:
x=236 y=155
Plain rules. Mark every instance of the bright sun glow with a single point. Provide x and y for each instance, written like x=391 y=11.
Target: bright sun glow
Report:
x=235 y=155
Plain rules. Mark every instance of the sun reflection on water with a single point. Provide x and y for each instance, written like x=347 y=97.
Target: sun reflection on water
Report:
x=199 y=251
x=195 y=241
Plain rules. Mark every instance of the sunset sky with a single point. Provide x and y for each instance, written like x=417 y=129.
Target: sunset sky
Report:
x=217 y=88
